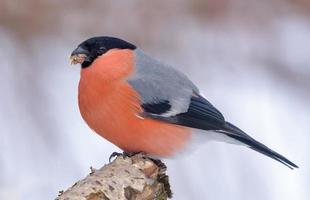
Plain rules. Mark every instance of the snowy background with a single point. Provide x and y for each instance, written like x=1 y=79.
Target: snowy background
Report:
x=250 y=58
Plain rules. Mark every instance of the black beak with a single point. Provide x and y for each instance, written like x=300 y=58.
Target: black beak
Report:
x=80 y=50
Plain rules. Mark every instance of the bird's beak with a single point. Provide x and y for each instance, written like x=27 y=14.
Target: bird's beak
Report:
x=78 y=55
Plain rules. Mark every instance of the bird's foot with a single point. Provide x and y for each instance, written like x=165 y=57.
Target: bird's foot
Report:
x=159 y=164
x=124 y=154
x=130 y=154
x=114 y=154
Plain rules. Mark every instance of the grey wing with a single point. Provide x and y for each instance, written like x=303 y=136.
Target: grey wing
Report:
x=168 y=95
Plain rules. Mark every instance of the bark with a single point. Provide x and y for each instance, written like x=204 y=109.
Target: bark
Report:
x=128 y=178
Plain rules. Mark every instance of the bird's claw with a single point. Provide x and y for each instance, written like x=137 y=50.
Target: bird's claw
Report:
x=130 y=154
x=114 y=154
x=124 y=154
x=159 y=164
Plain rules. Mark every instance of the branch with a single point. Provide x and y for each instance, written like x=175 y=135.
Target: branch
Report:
x=129 y=178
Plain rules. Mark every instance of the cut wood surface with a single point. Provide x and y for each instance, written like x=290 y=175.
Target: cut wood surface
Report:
x=127 y=178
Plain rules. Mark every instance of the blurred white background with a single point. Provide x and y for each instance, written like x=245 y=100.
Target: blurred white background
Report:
x=250 y=58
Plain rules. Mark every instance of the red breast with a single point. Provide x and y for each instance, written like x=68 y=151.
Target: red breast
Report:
x=111 y=107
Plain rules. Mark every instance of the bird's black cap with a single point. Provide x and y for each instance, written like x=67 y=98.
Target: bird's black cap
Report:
x=96 y=46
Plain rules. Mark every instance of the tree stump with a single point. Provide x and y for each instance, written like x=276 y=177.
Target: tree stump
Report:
x=126 y=178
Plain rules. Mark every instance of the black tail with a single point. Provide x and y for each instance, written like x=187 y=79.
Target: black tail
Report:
x=237 y=134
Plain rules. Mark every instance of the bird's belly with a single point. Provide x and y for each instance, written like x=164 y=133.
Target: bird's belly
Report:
x=112 y=110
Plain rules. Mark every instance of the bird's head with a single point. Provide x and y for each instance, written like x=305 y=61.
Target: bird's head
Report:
x=90 y=49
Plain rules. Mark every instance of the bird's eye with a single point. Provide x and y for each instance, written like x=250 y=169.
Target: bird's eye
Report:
x=101 y=50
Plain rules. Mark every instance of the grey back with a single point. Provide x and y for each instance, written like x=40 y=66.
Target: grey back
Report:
x=157 y=82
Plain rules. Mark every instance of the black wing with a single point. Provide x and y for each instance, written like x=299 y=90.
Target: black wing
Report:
x=201 y=114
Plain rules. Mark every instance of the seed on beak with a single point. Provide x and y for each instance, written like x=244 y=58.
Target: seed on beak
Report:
x=78 y=58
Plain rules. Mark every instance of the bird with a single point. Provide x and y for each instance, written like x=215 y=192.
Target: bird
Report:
x=140 y=104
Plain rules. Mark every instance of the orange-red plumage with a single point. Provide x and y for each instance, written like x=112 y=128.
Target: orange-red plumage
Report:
x=111 y=107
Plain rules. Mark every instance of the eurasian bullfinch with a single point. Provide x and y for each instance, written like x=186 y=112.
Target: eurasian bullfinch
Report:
x=142 y=105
